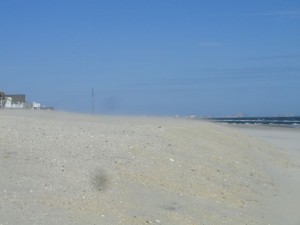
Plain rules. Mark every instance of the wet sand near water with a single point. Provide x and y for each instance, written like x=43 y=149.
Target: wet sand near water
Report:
x=284 y=205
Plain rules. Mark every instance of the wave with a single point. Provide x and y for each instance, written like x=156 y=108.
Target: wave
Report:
x=272 y=121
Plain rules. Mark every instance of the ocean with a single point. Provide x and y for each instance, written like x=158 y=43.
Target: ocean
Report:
x=293 y=122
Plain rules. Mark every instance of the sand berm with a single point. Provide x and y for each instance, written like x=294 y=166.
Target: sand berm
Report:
x=62 y=168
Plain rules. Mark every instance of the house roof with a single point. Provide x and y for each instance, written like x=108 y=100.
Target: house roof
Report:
x=17 y=98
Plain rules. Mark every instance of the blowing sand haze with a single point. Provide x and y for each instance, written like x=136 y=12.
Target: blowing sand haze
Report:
x=59 y=168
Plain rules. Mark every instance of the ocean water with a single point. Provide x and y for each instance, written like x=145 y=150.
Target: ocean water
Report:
x=293 y=122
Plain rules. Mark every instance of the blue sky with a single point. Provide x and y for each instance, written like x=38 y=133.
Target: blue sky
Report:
x=154 y=57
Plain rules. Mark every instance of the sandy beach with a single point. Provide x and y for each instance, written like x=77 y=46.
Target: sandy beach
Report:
x=285 y=204
x=63 y=168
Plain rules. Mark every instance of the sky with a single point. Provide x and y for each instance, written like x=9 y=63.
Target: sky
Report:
x=153 y=57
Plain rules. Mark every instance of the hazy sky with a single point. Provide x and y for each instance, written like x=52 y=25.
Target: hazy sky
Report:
x=154 y=56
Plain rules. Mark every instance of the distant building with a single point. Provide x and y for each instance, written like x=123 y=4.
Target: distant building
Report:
x=36 y=105
x=8 y=103
x=17 y=99
x=2 y=99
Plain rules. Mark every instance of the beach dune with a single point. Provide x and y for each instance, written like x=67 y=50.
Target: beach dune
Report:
x=62 y=168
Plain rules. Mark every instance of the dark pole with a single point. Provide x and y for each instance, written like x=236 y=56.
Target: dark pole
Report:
x=92 y=100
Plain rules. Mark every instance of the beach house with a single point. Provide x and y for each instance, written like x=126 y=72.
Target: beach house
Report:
x=2 y=99
x=16 y=101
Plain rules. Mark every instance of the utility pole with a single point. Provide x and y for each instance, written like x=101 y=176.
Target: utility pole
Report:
x=93 y=108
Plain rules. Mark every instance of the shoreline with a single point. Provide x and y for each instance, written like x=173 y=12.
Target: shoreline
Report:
x=276 y=135
x=254 y=125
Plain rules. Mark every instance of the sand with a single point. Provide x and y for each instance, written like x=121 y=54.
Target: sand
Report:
x=62 y=168
x=284 y=205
